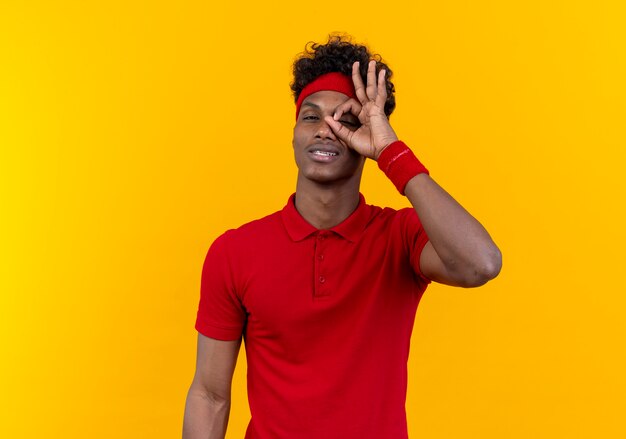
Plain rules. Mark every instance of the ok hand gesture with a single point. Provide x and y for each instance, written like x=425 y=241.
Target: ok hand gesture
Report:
x=375 y=132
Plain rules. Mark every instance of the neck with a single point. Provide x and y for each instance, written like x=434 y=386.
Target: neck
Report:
x=326 y=206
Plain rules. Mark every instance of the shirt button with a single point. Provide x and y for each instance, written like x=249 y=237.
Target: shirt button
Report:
x=322 y=279
x=320 y=257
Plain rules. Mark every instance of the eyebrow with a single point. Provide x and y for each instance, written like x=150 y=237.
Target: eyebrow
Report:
x=310 y=104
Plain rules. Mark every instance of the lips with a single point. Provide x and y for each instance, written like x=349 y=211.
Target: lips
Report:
x=323 y=152
x=318 y=152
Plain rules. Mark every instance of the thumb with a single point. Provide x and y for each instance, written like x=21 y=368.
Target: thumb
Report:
x=339 y=129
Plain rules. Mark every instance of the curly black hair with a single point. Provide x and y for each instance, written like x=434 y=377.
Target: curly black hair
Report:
x=338 y=55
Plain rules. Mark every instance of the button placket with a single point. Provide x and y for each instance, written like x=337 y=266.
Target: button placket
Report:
x=320 y=288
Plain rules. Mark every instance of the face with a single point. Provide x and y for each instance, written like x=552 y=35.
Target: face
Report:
x=321 y=157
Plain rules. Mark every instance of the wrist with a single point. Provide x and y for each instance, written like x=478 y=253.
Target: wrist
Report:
x=400 y=165
x=386 y=144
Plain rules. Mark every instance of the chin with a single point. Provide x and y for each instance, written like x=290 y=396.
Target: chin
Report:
x=341 y=172
x=325 y=180
x=330 y=178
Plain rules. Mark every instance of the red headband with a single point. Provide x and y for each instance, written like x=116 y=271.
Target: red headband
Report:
x=334 y=81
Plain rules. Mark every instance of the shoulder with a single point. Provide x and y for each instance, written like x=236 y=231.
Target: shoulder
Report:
x=392 y=217
x=249 y=234
x=266 y=223
x=400 y=228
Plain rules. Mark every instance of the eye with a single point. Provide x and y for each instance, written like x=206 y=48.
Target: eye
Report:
x=348 y=123
x=310 y=117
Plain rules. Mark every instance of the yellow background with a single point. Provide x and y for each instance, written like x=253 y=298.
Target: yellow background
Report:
x=134 y=133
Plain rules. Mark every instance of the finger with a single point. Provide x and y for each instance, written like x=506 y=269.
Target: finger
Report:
x=371 y=88
x=350 y=106
x=359 y=88
x=343 y=133
x=381 y=98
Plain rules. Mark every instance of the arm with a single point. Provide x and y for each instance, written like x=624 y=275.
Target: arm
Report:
x=208 y=400
x=460 y=251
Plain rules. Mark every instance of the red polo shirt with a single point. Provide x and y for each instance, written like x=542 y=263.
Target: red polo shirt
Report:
x=326 y=316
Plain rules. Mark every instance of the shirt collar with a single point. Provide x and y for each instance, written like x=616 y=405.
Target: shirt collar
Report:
x=351 y=228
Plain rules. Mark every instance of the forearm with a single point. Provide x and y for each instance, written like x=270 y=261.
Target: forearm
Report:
x=460 y=241
x=206 y=416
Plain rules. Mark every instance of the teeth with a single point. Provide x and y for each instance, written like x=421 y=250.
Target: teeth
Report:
x=324 y=153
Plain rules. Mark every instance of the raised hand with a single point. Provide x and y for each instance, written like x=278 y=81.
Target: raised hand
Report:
x=375 y=132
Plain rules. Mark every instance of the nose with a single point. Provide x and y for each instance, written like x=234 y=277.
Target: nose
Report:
x=324 y=131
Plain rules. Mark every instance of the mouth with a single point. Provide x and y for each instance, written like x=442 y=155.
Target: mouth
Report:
x=323 y=153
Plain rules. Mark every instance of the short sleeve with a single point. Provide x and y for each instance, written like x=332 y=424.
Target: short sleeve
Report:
x=220 y=312
x=415 y=238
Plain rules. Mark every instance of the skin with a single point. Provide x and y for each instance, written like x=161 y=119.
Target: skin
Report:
x=325 y=191
x=208 y=401
x=460 y=251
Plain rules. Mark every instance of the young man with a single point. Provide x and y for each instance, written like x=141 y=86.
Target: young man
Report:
x=325 y=291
